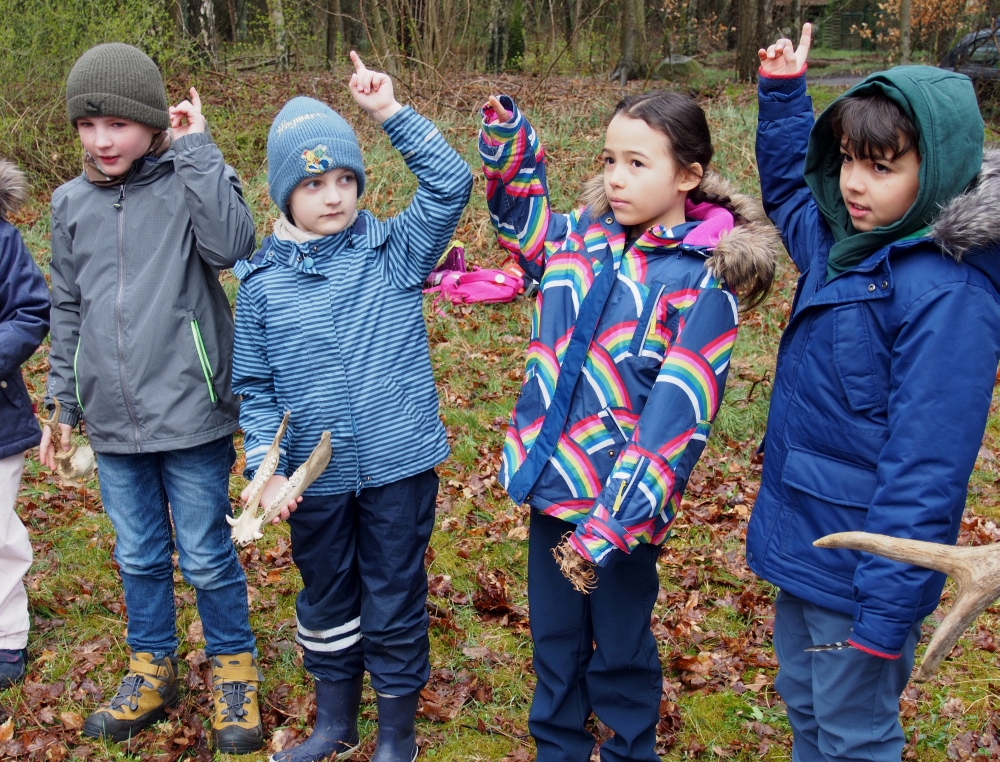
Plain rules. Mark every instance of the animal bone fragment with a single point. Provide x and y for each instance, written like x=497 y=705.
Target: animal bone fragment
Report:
x=75 y=465
x=248 y=526
x=976 y=572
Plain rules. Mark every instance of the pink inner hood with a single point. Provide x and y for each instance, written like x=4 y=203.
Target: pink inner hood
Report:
x=716 y=222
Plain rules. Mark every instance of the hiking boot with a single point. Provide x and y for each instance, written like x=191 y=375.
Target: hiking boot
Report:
x=236 y=724
x=13 y=665
x=142 y=699
x=397 y=737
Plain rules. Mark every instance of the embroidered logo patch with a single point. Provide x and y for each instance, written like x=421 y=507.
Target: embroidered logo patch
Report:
x=317 y=160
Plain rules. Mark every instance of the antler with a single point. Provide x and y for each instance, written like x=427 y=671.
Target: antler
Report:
x=976 y=572
x=247 y=527
x=75 y=465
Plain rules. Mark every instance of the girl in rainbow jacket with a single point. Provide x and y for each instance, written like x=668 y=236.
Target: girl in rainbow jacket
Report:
x=634 y=323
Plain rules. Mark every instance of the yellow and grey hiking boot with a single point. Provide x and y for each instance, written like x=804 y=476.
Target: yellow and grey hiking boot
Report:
x=142 y=699
x=236 y=725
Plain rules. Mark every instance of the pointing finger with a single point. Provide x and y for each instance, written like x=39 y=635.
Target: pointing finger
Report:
x=358 y=65
x=805 y=42
x=195 y=99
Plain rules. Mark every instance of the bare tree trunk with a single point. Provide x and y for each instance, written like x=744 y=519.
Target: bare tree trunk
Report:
x=904 y=31
x=747 y=43
x=276 y=12
x=499 y=20
x=334 y=30
x=796 y=17
x=381 y=39
x=209 y=36
x=631 y=65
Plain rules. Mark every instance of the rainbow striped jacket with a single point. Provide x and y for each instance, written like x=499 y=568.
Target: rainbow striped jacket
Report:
x=654 y=373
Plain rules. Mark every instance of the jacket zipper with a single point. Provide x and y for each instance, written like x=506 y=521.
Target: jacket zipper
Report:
x=120 y=329
x=206 y=366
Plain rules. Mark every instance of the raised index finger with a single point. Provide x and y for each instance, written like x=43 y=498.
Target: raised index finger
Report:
x=805 y=41
x=358 y=65
x=195 y=100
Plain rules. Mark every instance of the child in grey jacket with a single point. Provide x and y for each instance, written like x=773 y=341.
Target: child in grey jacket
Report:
x=329 y=326
x=142 y=337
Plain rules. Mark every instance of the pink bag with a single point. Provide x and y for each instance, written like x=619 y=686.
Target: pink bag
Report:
x=450 y=281
x=478 y=286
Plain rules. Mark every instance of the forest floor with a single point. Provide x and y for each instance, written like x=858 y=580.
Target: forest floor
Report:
x=712 y=619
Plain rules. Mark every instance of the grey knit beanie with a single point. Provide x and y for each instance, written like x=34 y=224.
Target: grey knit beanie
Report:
x=115 y=79
x=308 y=138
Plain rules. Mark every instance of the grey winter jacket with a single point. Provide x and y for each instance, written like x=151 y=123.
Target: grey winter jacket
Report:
x=142 y=332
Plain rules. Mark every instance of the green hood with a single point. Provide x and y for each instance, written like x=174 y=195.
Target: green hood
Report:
x=943 y=106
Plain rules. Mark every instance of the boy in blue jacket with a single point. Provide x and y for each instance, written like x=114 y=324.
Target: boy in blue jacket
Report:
x=887 y=205
x=24 y=321
x=329 y=326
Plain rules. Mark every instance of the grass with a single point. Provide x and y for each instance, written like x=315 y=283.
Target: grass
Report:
x=478 y=356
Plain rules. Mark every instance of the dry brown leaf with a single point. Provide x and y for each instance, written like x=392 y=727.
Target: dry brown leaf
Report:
x=7 y=729
x=71 y=720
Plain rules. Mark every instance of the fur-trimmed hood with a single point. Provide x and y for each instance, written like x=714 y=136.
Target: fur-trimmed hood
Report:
x=971 y=221
x=13 y=189
x=746 y=257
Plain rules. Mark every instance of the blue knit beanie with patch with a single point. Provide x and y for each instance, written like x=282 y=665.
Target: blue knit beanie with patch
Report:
x=308 y=138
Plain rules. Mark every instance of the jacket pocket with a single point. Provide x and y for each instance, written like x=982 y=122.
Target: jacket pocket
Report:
x=203 y=361
x=397 y=395
x=852 y=354
x=823 y=495
x=647 y=320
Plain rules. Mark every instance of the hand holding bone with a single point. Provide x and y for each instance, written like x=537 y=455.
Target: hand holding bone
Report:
x=279 y=495
x=72 y=465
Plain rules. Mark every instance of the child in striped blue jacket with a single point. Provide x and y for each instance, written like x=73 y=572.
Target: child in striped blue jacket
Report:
x=329 y=325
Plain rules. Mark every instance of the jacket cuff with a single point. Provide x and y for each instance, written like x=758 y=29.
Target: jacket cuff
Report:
x=873 y=649
x=765 y=76
x=191 y=141
x=600 y=533
x=69 y=412
x=502 y=132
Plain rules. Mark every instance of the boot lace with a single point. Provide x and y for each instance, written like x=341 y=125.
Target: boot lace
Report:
x=234 y=696
x=130 y=691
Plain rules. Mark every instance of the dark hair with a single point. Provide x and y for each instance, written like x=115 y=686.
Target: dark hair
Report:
x=683 y=123
x=873 y=127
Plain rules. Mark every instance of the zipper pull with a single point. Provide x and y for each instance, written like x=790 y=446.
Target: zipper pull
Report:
x=121 y=197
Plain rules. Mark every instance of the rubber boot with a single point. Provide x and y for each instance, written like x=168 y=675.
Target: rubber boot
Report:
x=397 y=737
x=336 y=729
x=236 y=724
x=142 y=699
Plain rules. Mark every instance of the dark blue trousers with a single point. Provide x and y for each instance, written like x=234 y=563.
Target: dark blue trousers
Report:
x=361 y=557
x=593 y=653
x=842 y=705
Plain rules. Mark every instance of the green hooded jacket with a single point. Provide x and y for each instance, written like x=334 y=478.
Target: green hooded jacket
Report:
x=943 y=107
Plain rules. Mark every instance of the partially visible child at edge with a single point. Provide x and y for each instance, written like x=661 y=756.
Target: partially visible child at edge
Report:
x=329 y=326
x=888 y=208
x=633 y=327
x=141 y=350
x=24 y=321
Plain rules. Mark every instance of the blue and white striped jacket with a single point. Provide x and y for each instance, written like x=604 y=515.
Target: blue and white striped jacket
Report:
x=333 y=331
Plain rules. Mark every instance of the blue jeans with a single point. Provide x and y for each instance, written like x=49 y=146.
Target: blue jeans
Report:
x=842 y=705
x=141 y=493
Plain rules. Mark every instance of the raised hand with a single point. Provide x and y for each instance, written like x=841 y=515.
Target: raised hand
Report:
x=186 y=116
x=781 y=59
x=373 y=91
x=503 y=115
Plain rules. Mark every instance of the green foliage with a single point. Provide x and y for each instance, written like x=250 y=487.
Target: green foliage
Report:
x=40 y=42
